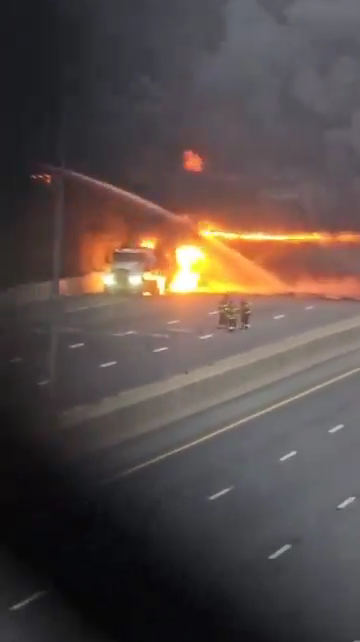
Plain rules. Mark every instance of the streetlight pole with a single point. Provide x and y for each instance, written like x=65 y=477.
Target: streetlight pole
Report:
x=56 y=262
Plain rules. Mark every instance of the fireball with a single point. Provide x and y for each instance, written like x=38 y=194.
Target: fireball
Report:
x=189 y=259
x=192 y=162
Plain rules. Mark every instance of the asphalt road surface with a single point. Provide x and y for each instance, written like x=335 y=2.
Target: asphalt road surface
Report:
x=116 y=346
x=261 y=520
x=266 y=515
x=31 y=611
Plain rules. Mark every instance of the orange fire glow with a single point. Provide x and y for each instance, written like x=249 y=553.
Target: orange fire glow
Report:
x=302 y=237
x=150 y=244
x=192 y=162
x=189 y=259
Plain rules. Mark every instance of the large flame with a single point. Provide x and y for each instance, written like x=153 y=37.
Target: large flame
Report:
x=331 y=269
x=189 y=259
x=149 y=244
x=302 y=237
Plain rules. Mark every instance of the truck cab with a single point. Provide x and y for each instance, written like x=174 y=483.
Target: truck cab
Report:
x=132 y=271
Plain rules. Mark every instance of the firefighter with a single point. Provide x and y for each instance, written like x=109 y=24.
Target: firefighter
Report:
x=245 y=312
x=231 y=315
x=222 y=311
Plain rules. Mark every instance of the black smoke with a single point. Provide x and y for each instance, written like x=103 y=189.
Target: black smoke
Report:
x=281 y=98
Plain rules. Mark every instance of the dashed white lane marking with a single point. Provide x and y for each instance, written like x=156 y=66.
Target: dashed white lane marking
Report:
x=173 y=322
x=44 y=382
x=213 y=312
x=28 y=600
x=285 y=457
x=220 y=493
x=16 y=360
x=279 y=316
x=108 y=364
x=73 y=346
x=158 y=335
x=127 y=333
x=346 y=503
x=229 y=427
x=160 y=349
x=206 y=336
x=309 y=307
x=279 y=552
x=336 y=428
x=81 y=307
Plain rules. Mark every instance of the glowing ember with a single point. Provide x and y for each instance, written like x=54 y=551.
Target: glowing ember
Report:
x=192 y=162
x=188 y=258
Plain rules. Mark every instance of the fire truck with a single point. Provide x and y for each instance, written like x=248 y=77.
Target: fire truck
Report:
x=138 y=271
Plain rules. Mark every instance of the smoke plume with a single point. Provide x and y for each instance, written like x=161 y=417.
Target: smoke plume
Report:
x=285 y=87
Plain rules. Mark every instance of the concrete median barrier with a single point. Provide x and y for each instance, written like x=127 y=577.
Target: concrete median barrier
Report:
x=41 y=292
x=150 y=407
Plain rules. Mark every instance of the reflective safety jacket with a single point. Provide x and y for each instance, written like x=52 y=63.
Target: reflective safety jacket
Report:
x=231 y=311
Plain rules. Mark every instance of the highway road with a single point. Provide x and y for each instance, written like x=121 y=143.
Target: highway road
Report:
x=32 y=614
x=254 y=507
x=264 y=516
x=115 y=346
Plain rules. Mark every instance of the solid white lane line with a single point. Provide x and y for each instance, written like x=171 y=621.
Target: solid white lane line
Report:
x=173 y=322
x=346 y=503
x=309 y=307
x=44 y=382
x=206 y=336
x=160 y=349
x=232 y=426
x=281 y=551
x=108 y=364
x=279 y=316
x=27 y=600
x=220 y=493
x=336 y=428
x=16 y=360
x=73 y=346
x=285 y=457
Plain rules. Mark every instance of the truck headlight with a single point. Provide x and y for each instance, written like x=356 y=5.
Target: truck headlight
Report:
x=135 y=279
x=109 y=279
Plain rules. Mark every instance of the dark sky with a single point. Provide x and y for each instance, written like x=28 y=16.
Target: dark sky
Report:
x=286 y=82
x=255 y=85
x=120 y=74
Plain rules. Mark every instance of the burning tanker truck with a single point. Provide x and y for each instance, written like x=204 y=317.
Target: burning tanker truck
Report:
x=151 y=267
